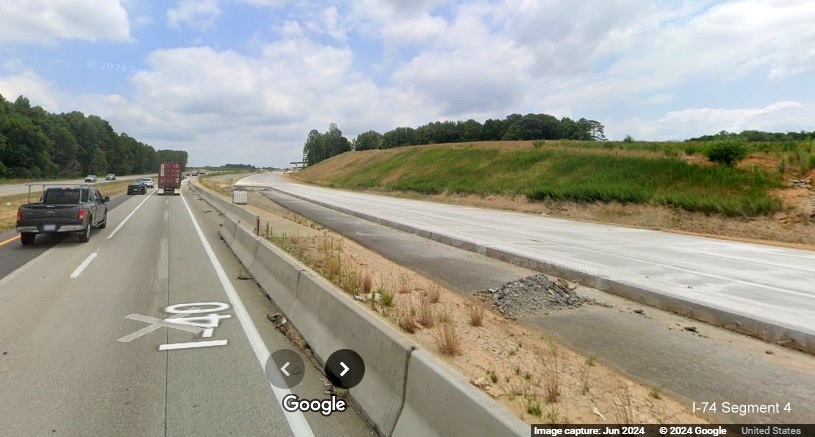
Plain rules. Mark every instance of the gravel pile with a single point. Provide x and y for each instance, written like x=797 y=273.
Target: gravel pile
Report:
x=533 y=295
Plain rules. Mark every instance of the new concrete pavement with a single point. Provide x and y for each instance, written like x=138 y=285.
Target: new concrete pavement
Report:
x=765 y=283
x=63 y=370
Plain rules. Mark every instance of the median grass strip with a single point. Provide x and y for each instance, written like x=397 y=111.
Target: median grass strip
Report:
x=9 y=204
x=562 y=175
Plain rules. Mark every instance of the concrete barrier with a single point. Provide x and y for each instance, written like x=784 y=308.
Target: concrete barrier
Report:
x=277 y=273
x=247 y=218
x=440 y=402
x=245 y=245
x=228 y=229
x=329 y=320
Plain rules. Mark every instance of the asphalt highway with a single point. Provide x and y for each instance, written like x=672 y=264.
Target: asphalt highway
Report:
x=766 y=283
x=12 y=189
x=70 y=364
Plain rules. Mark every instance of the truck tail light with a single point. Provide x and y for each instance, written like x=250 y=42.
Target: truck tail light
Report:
x=19 y=214
x=81 y=214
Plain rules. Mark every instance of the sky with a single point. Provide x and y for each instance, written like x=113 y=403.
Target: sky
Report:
x=244 y=81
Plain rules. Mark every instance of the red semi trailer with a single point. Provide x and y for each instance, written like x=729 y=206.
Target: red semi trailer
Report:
x=169 y=177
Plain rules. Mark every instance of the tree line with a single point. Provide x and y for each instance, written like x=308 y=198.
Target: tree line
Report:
x=514 y=127
x=37 y=144
x=757 y=136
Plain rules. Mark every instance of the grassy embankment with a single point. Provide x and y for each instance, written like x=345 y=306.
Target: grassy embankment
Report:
x=9 y=204
x=671 y=174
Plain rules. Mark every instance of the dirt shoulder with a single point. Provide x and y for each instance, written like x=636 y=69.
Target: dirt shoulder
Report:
x=531 y=374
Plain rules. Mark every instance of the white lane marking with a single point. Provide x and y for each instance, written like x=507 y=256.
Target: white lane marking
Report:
x=163 y=259
x=128 y=217
x=84 y=264
x=297 y=421
x=191 y=345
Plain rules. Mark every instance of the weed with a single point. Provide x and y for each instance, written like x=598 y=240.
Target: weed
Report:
x=445 y=316
x=553 y=416
x=447 y=339
x=367 y=283
x=517 y=370
x=333 y=267
x=591 y=360
x=476 y=315
x=585 y=384
x=656 y=391
x=404 y=283
x=434 y=292
x=426 y=315
x=387 y=297
x=534 y=408
x=493 y=376
x=527 y=376
x=407 y=318
x=516 y=388
x=549 y=359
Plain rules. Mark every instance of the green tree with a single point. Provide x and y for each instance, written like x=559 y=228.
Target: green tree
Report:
x=368 y=141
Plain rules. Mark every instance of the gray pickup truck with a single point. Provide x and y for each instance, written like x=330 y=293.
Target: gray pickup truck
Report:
x=65 y=208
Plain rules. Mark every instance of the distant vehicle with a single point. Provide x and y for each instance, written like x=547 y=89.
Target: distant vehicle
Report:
x=148 y=182
x=72 y=208
x=90 y=178
x=110 y=177
x=136 y=187
x=169 y=176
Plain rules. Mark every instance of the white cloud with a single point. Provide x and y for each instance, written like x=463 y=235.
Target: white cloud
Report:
x=272 y=3
x=196 y=14
x=25 y=82
x=328 y=21
x=45 y=22
x=227 y=106
x=677 y=125
x=291 y=29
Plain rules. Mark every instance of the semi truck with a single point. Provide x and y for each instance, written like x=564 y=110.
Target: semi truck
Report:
x=169 y=177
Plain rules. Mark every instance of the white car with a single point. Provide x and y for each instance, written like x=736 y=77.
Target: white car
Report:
x=90 y=178
x=148 y=182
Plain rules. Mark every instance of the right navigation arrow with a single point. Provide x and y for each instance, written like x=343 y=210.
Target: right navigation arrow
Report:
x=344 y=367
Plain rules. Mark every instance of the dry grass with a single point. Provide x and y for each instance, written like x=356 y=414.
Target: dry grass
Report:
x=427 y=316
x=404 y=283
x=445 y=315
x=433 y=292
x=367 y=283
x=549 y=359
x=447 y=339
x=477 y=315
x=407 y=317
